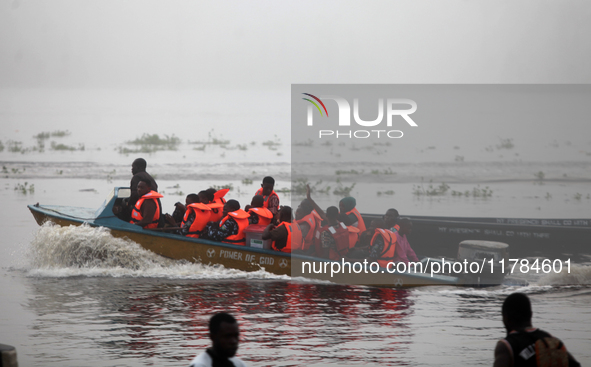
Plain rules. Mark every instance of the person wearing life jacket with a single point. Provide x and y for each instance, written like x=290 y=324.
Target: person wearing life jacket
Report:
x=349 y=214
x=404 y=253
x=309 y=221
x=524 y=344
x=195 y=219
x=258 y=214
x=178 y=214
x=271 y=200
x=146 y=212
x=391 y=219
x=231 y=228
x=286 y=236
x=383 y=244
x=333 y=238
x=214 y=196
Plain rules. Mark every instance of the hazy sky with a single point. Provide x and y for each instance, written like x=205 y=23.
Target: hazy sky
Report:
x=253 y=44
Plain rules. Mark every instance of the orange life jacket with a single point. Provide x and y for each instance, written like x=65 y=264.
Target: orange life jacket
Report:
x=241 y=217
x=218 y=196
x=136 y=213
x=314 y=221
x=264 y=214
x=353 y=236
x=294 y=237
x=266 y=202
x=217 y=211
x=202 y=214
x=387 y=254
x=340 y=233
x=360 y=222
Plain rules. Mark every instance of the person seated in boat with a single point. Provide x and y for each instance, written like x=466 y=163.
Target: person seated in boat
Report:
x=353 y=231
x=195 y=219
x=231 y=228
x=309 y=221
x=270 y=197
x=147 y=211
x=216 y=203
x=383 y=243
x=391 y=219
x=404 y=253
x=333 y=236
x=258 y=214
x=350 y=215
x=205 y=196
x=286 y=236
x=178 y=214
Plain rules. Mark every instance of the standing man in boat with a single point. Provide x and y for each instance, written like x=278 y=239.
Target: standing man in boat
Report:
x=524 y=344
x=146 y=212
x=138 y=170
x=225 y=337
x=271 y=199
x=404 y=252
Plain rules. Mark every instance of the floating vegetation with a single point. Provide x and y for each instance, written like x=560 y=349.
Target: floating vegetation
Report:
x=548 y=196
x=151 y=143
x=272 y=144
x=155 y=141
x=387 y=171
x=56 y=146
x=349 y=172
x=459 y=158
x=539 y=176
x=283 y=190
x=247 y=181
x=342 y=190
x=298 y=187
x=307 y=143
x=201 y=148
x=55 y=134
x=227 y=186
x=420 y=190
x=212 y=140
x=24 y=189
x=505 y=143
x=578 y=196
x=389 y=192
x=1 y=147
x=476 y=192
x=15 y=146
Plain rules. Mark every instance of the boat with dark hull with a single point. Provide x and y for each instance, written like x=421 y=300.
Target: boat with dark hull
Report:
x=244 y=257
x=554 y=238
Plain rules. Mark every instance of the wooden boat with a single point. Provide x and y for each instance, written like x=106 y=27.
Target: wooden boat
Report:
x=236 y=256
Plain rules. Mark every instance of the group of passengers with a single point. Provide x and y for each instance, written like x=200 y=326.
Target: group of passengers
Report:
x=332 y=234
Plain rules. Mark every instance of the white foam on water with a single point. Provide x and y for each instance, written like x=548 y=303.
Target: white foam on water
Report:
x=87 y=251
x=578 y=275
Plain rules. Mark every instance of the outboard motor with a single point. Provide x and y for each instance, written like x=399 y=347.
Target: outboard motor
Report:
x=477 y=251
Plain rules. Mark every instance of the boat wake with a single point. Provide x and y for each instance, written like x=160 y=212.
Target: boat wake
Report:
x=87 y=251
